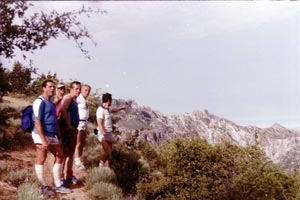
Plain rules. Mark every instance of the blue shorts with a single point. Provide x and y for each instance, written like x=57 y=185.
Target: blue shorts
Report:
x=108 y=136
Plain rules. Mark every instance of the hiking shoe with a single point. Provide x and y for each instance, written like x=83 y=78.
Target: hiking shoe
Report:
x=46 y=190
x=80 y=166
x=76 y=180
x=62 y=189
x=64 y=183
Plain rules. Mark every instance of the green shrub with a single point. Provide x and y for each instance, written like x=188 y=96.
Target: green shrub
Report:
x=127 y=167
x=97 y=175
x=92 y=151
x=29 y=191
x=105 y=191
x=145 y=167
x=11 y=134
x=6 y=114
x=149 y=153
x=194 y=169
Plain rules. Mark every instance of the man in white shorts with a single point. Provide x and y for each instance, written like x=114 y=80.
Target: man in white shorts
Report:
x=45 y=137
x=83 y=109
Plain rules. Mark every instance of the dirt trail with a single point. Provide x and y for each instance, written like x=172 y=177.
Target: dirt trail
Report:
x=25 y=156
x=77 y=190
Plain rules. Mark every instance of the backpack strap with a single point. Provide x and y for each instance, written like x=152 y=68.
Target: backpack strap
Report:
x=41 y=98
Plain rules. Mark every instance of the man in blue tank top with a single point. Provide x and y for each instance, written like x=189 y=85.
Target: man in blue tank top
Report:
x=68 y=126
x=45 y=137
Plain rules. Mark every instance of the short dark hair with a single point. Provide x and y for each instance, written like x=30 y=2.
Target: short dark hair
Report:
x=106 y=97
x=44 y=84
x=74 y=83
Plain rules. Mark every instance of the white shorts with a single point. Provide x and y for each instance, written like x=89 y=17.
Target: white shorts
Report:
x=37 y=139
x=83 y=126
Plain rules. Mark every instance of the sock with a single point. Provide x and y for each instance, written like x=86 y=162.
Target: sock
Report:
x=39 y=170
x=77 y=161
x=56 y=174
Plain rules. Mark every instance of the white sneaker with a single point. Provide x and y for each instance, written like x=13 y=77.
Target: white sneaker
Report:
x=80 y=166
x=62 y=189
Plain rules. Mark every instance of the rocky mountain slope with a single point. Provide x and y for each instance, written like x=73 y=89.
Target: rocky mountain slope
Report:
x=280 y=144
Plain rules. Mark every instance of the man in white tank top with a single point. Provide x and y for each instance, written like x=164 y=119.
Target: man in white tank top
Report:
x=83 y=109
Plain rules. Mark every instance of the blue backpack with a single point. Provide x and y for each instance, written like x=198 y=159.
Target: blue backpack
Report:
x=27 y=122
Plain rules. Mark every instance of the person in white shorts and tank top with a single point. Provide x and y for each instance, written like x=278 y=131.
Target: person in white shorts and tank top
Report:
x=83 y=109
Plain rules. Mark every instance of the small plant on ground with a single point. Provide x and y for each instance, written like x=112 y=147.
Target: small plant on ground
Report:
x=29 y=191
x=92 y=151
x=105 y=191
x=19 y=176
x=99 y=174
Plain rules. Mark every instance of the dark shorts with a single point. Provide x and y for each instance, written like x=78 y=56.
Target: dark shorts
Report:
x=69 y=139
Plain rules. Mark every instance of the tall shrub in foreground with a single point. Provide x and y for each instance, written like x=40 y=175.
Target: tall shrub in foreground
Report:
x=194 y=169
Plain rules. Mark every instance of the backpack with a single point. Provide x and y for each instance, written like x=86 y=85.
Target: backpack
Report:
x=27 y=122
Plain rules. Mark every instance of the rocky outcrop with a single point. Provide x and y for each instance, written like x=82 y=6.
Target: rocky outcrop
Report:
x=280 y=144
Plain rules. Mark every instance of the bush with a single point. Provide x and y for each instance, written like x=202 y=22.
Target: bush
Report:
x=194 y=169
x=10 y=133
x=127 y=168
x=17 y=177
x=92 y=151
x=97 y=175
x=29 y=191
x=149 y=153
x=105 y=191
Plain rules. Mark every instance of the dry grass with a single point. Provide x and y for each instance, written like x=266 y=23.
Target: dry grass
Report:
x=29 y=191
x=105 y=191
x=99 y=174
x=16 y=103
x=7 y=192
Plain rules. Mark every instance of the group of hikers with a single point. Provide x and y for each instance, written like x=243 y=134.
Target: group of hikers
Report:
x=61 y=126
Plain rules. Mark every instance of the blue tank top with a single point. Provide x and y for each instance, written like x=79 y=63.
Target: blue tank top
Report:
x=47 y=115
x=73 y=113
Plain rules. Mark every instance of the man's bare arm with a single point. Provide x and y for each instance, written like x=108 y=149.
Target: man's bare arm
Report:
x=64 y=110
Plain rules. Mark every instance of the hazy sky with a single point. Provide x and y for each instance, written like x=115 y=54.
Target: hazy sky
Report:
x=238 y=60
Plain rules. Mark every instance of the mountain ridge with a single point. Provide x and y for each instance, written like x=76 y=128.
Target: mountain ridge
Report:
x=279 y=143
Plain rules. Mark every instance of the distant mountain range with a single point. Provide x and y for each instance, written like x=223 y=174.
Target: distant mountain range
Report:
x=280 y=144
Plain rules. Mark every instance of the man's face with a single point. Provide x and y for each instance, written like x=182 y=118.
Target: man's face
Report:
x=49 y=89
x=60 y=91
x=75 y=90
x=85 y=91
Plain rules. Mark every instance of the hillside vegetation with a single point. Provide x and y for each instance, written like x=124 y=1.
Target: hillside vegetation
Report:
x=184 y=168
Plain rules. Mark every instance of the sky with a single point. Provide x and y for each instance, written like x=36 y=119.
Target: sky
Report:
x=237 y=59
